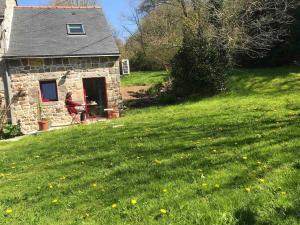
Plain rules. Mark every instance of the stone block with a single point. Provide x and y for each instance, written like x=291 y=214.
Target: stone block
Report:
x=57 y=61
x=25 y=62
x=14 y=62
x=36 y=62
x=48 y=62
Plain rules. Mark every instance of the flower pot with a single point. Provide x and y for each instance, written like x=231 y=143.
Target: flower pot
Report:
x=43 y=125
x=115 y=114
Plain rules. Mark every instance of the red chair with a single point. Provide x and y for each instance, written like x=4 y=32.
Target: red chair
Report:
x=75 y=117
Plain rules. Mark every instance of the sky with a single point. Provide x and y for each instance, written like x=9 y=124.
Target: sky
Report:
x=116 y=12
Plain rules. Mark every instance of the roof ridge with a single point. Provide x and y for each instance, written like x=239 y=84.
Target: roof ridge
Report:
x=59 y=7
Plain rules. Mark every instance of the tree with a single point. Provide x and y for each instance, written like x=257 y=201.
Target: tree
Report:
x=158 y=36
x=223 y=29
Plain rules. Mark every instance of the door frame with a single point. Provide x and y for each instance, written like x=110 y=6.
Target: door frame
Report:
x=105 y=98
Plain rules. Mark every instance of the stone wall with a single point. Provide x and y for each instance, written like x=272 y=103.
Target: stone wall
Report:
x=5 y=29
x=68 y=73
x=2 y=87
x=2 y=100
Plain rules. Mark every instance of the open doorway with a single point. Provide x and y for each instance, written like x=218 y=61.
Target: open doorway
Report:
x=95 y=97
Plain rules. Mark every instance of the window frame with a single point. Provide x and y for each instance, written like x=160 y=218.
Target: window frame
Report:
x=75 y=33
x=41 y=91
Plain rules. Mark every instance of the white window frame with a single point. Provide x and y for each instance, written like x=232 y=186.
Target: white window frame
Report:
x=75 y=33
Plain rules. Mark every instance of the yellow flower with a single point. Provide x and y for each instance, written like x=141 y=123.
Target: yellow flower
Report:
x=204 y=184
x=217 y=185
x=248 y=189
x=157 y=161
x=133 y=201
x=8 y=211
x=54 y=201
x=245 y=157
x=163 y=211
x=94 y=185
x=114 y=205
x=165 y=190
x=50 y=186
x=283 y=193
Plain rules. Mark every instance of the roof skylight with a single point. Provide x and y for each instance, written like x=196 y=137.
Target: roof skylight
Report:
x=75 y=29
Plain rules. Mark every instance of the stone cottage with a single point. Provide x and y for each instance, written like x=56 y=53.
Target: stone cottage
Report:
x=47 y=51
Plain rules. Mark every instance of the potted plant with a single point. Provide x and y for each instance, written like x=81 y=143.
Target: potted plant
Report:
x=43 y=122
x=115 y=112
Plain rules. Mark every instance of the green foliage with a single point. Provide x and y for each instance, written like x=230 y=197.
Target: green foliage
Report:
x=10 y=131
x=144 y=78
x=143 y=62
x=200 y=66
x=226 y=160
x=286 y=52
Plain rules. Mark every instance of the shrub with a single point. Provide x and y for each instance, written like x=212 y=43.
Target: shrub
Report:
x=10 y=131
x=142 y=62
x=200 y=66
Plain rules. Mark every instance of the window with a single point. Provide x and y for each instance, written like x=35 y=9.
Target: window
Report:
x=75 y=28
x=48 y=91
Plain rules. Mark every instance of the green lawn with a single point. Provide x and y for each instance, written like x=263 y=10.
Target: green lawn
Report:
x=231 y=159
x=143 y=78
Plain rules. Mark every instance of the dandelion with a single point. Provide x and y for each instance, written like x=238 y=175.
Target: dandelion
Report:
x=259 y=136
x=165 y=190
x=163 y=211
x=9 y=211
x=54 y=201
x=114 y=205
x=248 y=189
x=157 y=161
x=50 y=186
x=94 y=185
x=245 y=158
x=133 y=201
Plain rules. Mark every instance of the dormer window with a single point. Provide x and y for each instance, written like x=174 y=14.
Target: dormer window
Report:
x=75 y=28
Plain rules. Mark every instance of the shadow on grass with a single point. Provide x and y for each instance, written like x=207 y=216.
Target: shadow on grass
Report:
x=275 y=81
x=272 y=82
x=245 y=217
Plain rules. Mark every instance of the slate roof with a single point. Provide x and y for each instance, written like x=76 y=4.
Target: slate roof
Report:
x=42 y=32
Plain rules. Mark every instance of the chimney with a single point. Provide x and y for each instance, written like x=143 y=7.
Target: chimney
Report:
x=6 y=24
